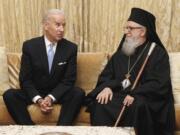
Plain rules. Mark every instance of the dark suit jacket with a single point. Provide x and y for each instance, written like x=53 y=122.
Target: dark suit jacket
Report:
x=35 y=78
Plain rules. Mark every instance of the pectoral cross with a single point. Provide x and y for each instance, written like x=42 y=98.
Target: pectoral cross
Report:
x=126 y=82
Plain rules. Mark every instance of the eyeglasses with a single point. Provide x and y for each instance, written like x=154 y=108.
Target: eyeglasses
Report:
x=129 y=28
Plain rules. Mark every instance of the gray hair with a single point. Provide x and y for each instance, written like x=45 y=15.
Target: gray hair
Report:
x=51 y=12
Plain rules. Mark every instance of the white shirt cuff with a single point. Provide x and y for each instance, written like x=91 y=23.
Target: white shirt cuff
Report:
x=52 y=97
x=35 y=99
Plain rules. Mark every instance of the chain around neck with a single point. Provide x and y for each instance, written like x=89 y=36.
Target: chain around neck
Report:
x=140 y=55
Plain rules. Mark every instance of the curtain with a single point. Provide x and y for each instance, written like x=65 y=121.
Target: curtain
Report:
x=94 y=25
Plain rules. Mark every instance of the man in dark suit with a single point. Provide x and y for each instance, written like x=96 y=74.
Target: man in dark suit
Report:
x=47 y=74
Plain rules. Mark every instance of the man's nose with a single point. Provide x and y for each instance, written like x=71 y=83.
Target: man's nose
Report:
x=127 y=32
x=61 y=28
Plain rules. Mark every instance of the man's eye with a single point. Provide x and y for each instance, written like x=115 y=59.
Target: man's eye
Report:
x=57 y=24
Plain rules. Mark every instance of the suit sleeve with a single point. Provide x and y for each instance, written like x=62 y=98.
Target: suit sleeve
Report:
x=25 y=76
x=67 y=83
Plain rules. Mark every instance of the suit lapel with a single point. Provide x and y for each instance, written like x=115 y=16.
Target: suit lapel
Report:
x=43 y=54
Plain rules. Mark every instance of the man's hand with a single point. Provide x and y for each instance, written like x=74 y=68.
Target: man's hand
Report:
x=42 y=105
x=45 y=104
x=48 y=101
x=104 y=96
x=128 y=100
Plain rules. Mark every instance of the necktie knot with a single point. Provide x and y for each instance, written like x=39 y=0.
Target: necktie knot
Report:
x=50 y=56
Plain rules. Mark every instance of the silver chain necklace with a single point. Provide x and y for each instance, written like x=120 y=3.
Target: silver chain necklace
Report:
x=126 y=82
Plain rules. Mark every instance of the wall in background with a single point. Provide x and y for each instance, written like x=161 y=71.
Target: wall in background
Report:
x=94 y=25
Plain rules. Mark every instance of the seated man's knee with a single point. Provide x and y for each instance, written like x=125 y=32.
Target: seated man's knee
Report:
x=140 y=103
x=8 y=95
x=99 y=106
x=79 y=92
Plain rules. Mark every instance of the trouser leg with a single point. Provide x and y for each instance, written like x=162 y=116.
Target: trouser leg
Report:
x=71 y=105
x=16 y=102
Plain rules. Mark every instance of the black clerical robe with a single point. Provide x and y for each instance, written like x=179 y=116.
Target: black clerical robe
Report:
x=152 y=112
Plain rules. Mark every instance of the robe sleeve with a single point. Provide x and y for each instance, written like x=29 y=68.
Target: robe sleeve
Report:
x=106 y=79
x=155 y=81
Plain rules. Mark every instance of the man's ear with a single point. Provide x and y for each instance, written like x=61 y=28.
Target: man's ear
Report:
x=143 y=32
x=45 y=25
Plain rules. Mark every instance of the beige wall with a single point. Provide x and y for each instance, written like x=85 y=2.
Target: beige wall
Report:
x=95 y=25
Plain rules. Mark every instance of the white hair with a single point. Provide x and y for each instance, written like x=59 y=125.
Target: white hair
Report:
x=51 y=12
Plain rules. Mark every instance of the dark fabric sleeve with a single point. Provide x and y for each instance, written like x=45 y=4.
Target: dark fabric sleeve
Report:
x=106 y=79
x=25 y=75
x=69 y=79
x=155 y=81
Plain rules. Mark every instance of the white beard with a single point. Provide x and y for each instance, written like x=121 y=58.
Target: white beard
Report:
x=129 y=46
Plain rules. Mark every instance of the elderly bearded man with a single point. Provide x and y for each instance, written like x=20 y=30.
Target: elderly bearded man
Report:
x=150 y=106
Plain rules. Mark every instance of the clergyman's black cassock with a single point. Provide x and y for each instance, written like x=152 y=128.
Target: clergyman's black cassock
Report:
x=152 y=112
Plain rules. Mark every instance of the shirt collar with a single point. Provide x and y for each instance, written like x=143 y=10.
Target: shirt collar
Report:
x=47 y=42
